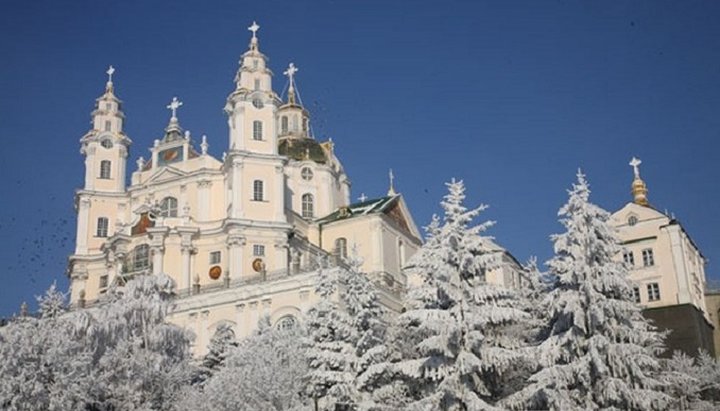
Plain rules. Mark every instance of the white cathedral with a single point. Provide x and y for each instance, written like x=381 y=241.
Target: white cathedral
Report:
x=240 y=236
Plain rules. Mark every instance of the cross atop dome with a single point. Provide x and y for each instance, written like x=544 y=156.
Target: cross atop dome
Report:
x=173 y=106
x=254 y=28
x=254 y=40
x=635 y=163
x=109 y=84
x=290 y=73
x=639 y=189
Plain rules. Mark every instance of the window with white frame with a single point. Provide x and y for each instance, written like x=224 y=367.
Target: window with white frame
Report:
x=341 y=247
x=103 y=281
x=258 y=250
x=102 y=227
x=648 y=257
x=106 y=143
x=308 y=205
x=169 y=207
x=629 y=258
x=636 y=293
x=257 y=130
x=257 y=84
x=258 y=190
x=653 y=290
x=141 y=257
x=284 y=124
x=255 y=63
x=632 y=220
x=108 y=125
x=215 y=257
x=105 y=169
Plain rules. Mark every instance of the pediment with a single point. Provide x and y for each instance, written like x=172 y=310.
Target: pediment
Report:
x=399 y=213
x=642 y=213
x=165 y=174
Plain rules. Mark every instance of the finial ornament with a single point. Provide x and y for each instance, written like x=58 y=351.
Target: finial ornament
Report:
x=110 y=72
x=204 y=145
x=639 y=189
x=173 y=106
x=635 y=163
x=362 y=197
x=391 y=190
x=254 y=28
x=290 y=72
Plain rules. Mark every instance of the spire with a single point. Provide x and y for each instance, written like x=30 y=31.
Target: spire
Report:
x=639 y=189
x=254 y=40
x=290 y=73
x=173 y=129
x=391 y=190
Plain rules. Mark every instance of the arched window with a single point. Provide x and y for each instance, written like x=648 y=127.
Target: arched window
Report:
x=140 y=257
x=401 y=254
x=169 y=207
x=257 y=130
x=108 y=125
x=258 y=190
x=257 y=84
x=295 y=123
x=308 y=205
x=341 y=247
x=287 y=322
x=102 y=227
x=284 y=124
x=105 y=169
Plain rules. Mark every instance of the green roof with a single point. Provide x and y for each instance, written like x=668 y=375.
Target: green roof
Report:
x=373 y=206
x=303 y=149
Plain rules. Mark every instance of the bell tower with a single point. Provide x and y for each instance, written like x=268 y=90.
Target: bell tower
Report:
x=255 y=181
x=105 y=146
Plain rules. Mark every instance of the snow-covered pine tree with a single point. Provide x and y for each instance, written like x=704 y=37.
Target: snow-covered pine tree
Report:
x=264 y=372
x=453 y=344
x=600 y=352
x=44 y=366
x=330 y=346
x=221 y=344
x=140 y=361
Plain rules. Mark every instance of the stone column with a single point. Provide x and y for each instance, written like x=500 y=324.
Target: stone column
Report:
x=204 y=200
x=279 y=200
x=82 y=227
x=157 y=247
x=120 y=176
x=235 y=242
x=281 y=256
x=237 y=190
x=187 y=250
x=240 y=321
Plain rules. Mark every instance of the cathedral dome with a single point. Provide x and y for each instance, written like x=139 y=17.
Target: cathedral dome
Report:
x=302 y=149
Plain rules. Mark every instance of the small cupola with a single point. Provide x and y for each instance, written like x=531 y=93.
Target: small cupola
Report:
x=293 y=119
x=639 y=189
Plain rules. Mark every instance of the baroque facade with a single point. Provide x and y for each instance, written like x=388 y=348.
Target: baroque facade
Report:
x=242 y=235
x=668 y=270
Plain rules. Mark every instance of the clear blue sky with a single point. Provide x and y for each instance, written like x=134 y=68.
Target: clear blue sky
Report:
x=510 y=96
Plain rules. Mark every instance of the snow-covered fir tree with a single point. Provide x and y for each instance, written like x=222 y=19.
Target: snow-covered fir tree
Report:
x=221 y=344
x=331 y=342
x=141 y=361
x=455 y=342
x=43 y=367
x=600 y=352
x=264 y=372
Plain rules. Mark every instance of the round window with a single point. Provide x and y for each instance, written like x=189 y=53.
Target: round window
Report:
x=106 y=143
x=306 y=173
x=257 y=103
x=632 y=220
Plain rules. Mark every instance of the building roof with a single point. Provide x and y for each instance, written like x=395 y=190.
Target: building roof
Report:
x=374 y=206
x=303 y=149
